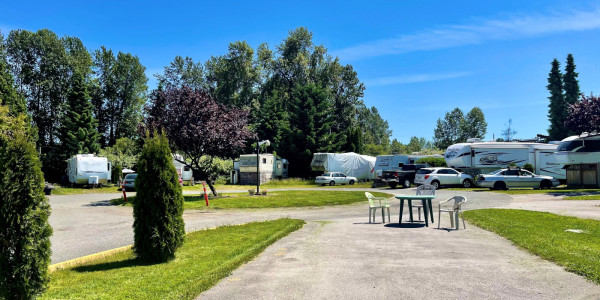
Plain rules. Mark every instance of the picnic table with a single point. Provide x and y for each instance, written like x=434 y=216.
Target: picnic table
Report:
x=425 y=200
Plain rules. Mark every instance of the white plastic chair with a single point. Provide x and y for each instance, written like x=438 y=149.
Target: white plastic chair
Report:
x=373 y=207
x=454 y=211
x=424 y=189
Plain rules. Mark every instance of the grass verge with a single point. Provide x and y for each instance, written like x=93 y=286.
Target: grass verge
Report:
x=206 y=257
x=546 y=235
x=61 y=190
x=585 y=197
x=272 y=200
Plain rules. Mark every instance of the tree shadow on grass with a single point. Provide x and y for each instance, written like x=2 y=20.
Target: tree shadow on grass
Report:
x=128 y=263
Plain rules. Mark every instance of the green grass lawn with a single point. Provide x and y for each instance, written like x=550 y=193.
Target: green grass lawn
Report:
x=585 y=197
x=545 y=234
x=273 y=199
x=206 y=257
x=60 y=190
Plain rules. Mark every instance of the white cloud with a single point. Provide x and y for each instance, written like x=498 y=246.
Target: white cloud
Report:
x=414 y=78
x=517 y=27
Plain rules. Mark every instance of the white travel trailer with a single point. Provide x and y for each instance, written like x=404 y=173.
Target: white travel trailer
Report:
x=87 y=169
x=351 y=164
x=580 y=154
x=482 y=157
x=184 y=171
x=271 y=167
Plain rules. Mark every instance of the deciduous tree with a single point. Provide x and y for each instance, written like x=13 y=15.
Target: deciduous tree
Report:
x=198 y=126
x=584 y=116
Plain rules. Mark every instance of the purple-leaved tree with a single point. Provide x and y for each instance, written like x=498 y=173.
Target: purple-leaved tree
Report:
x=584 y=115
x=198 y=127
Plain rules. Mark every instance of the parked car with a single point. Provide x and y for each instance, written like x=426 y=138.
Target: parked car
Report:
x=442 y=177
x=333 y=178
x=129 y=182
x=404 y=176
x=515 y=178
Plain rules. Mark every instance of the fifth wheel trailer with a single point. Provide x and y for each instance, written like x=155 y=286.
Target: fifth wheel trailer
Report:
x=482 y=157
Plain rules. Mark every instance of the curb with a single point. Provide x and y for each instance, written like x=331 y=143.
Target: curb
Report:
x=87 y=258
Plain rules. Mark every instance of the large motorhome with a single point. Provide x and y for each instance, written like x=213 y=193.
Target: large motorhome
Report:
x=482 y=157
x=87 y=169
x=581 y=156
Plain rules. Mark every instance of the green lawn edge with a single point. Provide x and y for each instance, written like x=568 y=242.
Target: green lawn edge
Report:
x=544 y=234
x=279 y=199
x=189 y=281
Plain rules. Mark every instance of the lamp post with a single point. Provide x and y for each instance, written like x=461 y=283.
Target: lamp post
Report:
x=266 y=142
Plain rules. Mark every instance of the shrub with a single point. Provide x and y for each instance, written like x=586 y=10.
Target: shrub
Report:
x=24 y=210
x=158 y=208
x=529 y=167
x=432 y=161
x=116 y=173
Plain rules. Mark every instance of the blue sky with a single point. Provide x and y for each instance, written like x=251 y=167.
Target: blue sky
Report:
x=418 y=59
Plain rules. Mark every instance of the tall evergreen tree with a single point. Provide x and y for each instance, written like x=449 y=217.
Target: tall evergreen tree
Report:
x=557 y=108
x=79 y=133
x=570 y=84
x=8 y=92
x=24 y=210
x=158 y=208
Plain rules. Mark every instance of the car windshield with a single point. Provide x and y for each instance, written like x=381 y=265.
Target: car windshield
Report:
x=131 y=176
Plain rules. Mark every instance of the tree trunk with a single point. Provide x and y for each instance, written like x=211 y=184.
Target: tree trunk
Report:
x=212 y=187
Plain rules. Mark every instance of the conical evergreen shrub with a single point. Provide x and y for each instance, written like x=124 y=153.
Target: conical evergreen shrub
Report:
x=158 y=208
x=24 y=211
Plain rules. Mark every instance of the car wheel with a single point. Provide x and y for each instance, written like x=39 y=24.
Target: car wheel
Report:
x=351 y=182
x=332 y=183
x=406 y=183
x=435 y=184
x=545 y=184
x=500 y=185
x=467 y=183
x=393 y=185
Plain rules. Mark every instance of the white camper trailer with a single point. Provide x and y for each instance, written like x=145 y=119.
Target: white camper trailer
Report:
x=88 y=169
x=351 y=164
x=271 y=167
x=482 y=157
x=396 y=161
x=184 y=172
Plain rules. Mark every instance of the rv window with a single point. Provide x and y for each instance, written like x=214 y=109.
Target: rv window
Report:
x=264 y=160
x=400 y=165
x=570 y=146
x=186 y=169
x=278 y=165
x=285 y=166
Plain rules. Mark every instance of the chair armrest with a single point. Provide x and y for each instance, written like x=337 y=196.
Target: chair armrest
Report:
x=440 y=204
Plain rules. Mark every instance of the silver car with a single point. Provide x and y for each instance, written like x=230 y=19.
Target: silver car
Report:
x=129 y=182
x=333 y=178
x=515 y=178
x=443 y=177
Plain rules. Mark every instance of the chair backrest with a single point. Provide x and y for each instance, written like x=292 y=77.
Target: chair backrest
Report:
x=370 y=198
x=426 y=189
x=458 y=201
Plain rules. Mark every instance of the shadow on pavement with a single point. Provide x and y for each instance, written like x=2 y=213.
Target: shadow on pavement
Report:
x=100 y=203
x=405 y=225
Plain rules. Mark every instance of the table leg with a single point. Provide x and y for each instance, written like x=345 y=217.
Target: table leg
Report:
x=401 y=209
x=410 y=209
x=456 y=219
x=425 y=212
x=431 y=210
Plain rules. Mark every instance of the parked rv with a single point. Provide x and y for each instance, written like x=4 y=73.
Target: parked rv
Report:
x=580 y=154
x=351 y=164
x=270 y=167
x=87 y=169
x=185 y=172
x=478 y=157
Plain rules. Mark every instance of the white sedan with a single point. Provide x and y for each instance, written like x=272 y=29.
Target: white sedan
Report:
x=442 y=177
x=515 y=178
x=333 y=178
